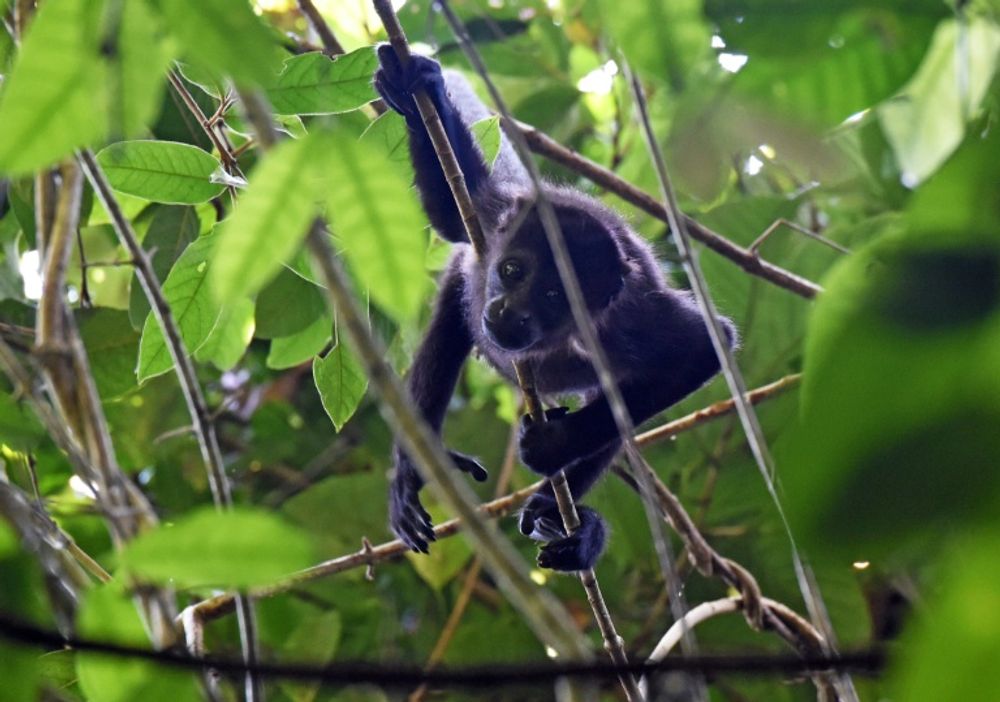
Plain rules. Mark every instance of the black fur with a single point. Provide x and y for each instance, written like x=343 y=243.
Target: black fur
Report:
x=510 y=304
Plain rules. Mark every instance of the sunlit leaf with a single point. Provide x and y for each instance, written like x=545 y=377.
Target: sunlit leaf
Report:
x=53 y=100
x=138 y=77
x=195 y=309
x=108 y=614
x=237 y=548
x=313 y=84
x=376 y=217
x=341 y=383
x=271 y=220
x=224 y=35
x=161 y=171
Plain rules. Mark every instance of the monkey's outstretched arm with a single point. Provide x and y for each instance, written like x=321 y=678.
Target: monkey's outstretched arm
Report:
x=432 y=379
x=397 y=84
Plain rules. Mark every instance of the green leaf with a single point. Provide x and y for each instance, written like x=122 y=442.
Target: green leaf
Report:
x=18 y=427
x=194 y=308
x=928 y=122
x=109 y=614
x=161 y=171
x=137 y=79
x=290 y=351
x=272 y=218
x=950 y=653
x=288 y=305
x=173 y=227
x=890 y=458
x=315 y=641
x=228 y=341
x=487 y=134
x=376 y=217
x=222 y=35
x=53 y=100
x=866 y=65
x=314 y=84
x=112 y=345
x=341 y=383
x=236 y=549
x=19 y=672
x=659 y=35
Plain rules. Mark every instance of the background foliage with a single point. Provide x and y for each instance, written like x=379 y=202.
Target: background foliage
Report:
x=873 y=123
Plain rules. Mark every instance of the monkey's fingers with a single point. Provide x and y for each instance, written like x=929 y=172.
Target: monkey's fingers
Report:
x=468 y=464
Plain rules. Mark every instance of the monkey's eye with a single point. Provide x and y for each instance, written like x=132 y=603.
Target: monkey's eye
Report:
x=511 y=270
x=552 y=296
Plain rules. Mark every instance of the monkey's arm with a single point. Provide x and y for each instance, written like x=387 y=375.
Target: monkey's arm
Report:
x=397 y=84
x=432 y=379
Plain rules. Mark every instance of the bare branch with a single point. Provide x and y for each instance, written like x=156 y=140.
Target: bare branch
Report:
x=331 y=46
x=204 y=428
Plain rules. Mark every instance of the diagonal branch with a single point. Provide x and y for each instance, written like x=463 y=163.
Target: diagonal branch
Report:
x=204 y=428
x=449 y=165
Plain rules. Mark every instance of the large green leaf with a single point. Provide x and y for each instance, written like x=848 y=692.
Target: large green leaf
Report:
x=341 y=383
x=223 y=35
x=18 y=427
x=236 y=549
x=861 y=64
x=271 y=219
x=665 y=37
x=314 y=84
x=137 y=78
x=928 y=122
x=194 y=308
x=161 y=171
x=376 y=217
x=108 y=614
x=53 y=100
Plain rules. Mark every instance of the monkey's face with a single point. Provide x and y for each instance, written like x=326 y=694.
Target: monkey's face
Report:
x=526 y=306
x=525 y=302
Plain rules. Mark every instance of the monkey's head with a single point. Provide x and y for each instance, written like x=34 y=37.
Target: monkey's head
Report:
x=526 y=305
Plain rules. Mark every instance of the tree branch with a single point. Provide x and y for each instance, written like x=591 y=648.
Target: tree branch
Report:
x=187 y=378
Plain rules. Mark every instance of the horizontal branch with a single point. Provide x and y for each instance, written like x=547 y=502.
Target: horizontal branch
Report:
x=749 y=261
x=395 y=675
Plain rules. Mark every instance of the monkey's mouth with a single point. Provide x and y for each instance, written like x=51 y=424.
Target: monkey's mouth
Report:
x=510 y=336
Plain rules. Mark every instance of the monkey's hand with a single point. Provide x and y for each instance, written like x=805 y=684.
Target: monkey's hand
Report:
x=541 y=521
x=397 y=84
x=468 y=464
x=547 y=446
x=407 y=517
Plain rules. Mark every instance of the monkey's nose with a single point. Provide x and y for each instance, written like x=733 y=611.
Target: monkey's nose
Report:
x=498 y=312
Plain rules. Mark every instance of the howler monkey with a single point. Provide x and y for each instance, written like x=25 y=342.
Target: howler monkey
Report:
x=511 y=305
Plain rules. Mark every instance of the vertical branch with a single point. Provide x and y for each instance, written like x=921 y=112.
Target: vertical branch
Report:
x=75 y=397
x=730 y=369
x=560 y=487
x=331 y=46
x=204 y=428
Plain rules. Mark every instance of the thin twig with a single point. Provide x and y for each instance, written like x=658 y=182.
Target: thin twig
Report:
x=220 y=605
x=546 y=146
x=718 y=409
x=492 y=675
x=471 y=575
x=543 y=612
x=331 y=46
x=730 y=369
x=187 y=378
